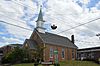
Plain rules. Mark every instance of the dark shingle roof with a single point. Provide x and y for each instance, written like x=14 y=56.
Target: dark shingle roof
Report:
x=56 y=40
x=31 y=43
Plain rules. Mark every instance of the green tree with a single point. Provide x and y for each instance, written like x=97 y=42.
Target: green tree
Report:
x=14 y=56
x=38 y=53
x=27 y=55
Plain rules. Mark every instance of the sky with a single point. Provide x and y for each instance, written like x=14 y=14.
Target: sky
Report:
x=68 y=15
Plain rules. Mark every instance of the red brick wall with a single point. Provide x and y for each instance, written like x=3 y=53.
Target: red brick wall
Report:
x=68 y=52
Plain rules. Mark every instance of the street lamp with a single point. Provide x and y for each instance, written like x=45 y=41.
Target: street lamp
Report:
x=98 y=35
x=53 y=27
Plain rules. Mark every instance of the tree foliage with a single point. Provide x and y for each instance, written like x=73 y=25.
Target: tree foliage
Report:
x=14 y=56
x=38 y=53
x=18 y=55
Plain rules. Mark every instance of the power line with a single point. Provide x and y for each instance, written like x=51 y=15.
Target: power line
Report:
x=66 y=30
x=87 y=41
x=31 y=30
x=78 y=26
x=60 y=20
x=59 y=14
x=22 y=5
x=75 y=22
x=15 y=25
x=36 y=14
x=21 y=21
x=32 y=8
x=25 y=23
x=13 y=19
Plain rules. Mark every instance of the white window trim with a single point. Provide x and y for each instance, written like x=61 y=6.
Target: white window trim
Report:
x=50 y=54
x=64 y=53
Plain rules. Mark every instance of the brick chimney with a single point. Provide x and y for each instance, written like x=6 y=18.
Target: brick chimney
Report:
x=72 y=39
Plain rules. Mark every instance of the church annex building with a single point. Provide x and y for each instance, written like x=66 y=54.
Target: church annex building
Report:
x=66 y=48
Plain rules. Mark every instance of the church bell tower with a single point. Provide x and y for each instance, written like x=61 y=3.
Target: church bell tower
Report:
x=40 y=22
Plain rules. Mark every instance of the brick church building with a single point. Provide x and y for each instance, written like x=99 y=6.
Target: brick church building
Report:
x=66 y=48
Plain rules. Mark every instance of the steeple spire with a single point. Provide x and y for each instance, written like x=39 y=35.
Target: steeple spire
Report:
x=40 y=16
x=40 y=22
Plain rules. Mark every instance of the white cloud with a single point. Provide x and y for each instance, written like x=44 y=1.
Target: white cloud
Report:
x=12 y=40
x=95 y=10
x=11 y=13
x=1 y=33
x=72 y=15
x=3 y=43
x=16 y=31
x=63 y=13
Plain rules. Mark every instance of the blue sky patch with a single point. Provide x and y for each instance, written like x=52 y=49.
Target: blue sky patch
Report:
x=2 y=27
x=91 y=4
x=36 y=2
x=45 y=3
x=48 y=27
x=4 y=31
x=79 y=3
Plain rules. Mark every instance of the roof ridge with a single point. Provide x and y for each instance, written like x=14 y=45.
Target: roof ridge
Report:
x=59 y=36
x=56 y=35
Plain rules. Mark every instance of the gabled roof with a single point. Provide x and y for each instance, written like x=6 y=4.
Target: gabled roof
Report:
x=32 y=44
x=56 y=40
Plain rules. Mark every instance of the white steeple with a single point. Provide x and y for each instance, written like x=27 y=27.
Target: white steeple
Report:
x=40 y=22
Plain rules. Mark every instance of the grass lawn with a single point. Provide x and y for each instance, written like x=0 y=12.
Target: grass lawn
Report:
x=68 y=63
x=78 y=63
x=24 y=64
